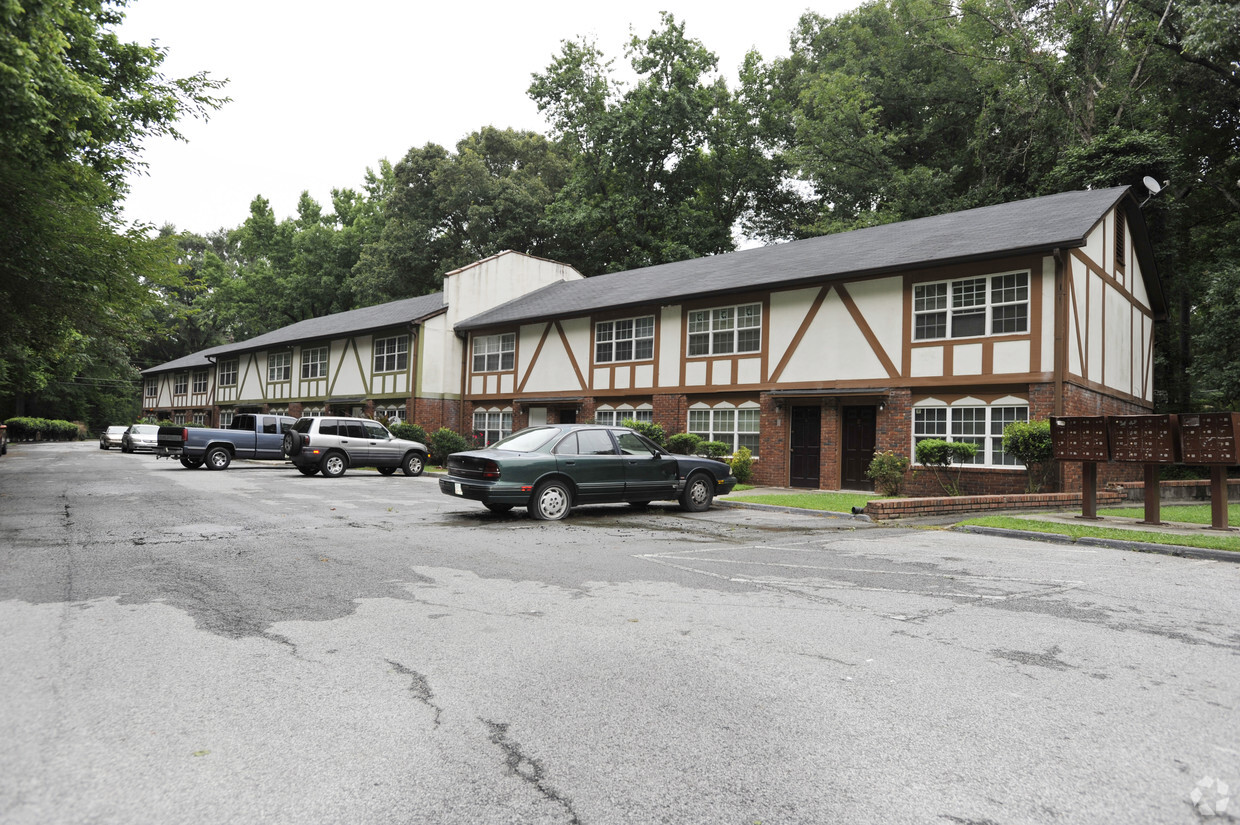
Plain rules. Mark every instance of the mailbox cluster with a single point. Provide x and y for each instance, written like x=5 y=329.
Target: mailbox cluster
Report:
x=1152 y=440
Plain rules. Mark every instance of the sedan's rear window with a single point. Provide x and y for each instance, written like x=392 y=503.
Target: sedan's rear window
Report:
x=526 y=440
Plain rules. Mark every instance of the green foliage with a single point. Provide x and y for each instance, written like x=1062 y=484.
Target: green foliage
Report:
x=1030 y=443
x=410 y=432
x=714 y=449
x=742 y=465
x=27 y=428
x=887 y=469
x=444 y=442
x=652 y=431
x=683 y=443
x=939 y=455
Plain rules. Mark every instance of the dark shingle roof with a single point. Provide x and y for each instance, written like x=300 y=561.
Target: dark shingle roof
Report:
x=1036 y=225
x=353 y=321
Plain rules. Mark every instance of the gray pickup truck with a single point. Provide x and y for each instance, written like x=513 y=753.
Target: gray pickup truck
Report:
x=248 y=436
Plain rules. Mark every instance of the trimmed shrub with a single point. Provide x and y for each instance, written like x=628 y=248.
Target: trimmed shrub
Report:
x=683 y=443
x=887 y=470
x=714 y=449
x=410 y=432
x=652 y=431
x=1030 y=443
x=445 y=442
x=939 y=455
x=742 y=465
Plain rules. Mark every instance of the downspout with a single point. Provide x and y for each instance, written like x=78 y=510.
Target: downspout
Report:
x=1061 y=327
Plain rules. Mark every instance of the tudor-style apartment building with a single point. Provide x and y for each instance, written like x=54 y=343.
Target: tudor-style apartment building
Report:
x=813 y=354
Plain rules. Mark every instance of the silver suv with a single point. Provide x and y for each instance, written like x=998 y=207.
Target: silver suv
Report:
x=332 y=445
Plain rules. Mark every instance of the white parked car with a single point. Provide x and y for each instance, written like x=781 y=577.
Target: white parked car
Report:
x=112 y=437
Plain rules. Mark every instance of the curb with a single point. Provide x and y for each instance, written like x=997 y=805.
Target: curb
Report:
x=1113 y=544
x=775 y=508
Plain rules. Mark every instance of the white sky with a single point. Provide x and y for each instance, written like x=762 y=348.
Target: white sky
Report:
x=322 y=90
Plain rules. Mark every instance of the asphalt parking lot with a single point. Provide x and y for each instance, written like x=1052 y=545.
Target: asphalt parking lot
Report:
x=253 y=645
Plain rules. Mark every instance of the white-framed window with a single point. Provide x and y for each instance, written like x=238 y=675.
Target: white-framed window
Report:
x=492 y=425
x=200 y=382
x=311 y=412
x=970 y=307
x=973 y=421
x=200 y=417
x=314 y=363
x=616 y=416
x=392 y=354
x=495 y=353
x=226 y=417
x=280 y=366
x=151 y=388
x=631 y=339
x=228 y=373
x=178 y=418
x=725 y=330
x=180 y=385
x=394 y=413
x=736 y=426
x=278 y=411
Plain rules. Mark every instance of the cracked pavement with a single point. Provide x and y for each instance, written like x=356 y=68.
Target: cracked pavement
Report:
x=251 y=645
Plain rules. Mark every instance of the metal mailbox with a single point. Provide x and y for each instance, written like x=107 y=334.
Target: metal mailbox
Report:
x=1143 y=439
x=1079 y=437
x=1210 y=438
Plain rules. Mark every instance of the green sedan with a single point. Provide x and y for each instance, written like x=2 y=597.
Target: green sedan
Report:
x=550 y=469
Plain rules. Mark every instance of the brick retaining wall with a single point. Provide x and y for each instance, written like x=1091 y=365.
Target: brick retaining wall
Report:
x=895 y=508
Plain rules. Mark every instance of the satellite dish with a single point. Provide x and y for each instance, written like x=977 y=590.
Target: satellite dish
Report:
x=1151 y=184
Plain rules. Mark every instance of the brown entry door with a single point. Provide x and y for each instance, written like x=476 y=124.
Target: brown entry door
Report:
x=806 y=443
x=858 y=447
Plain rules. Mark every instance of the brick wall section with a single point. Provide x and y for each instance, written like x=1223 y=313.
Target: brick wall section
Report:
x=1081 y=401
x=1186 y=490
x=771 y=469
x=896 y=508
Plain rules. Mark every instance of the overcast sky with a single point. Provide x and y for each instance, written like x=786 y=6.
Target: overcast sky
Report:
x=322 y=90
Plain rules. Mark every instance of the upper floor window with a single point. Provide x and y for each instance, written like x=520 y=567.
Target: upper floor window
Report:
x=993 y=304
x=151 y=389
x=180 y=385
x=314 y=362
x=629 y=340
x=973 y=422
x=725 y=330
x=1119 y=242
x=228 y=373
x=200 y=382
x=280 y=366
x=495 y=353
x=392 y=354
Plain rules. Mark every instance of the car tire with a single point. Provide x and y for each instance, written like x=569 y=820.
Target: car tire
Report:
x=218 y=458
x=413 y=464
x=307 y=471
x=191 y=463
x=292 y=444
x=498 y=508
x=698 y=493
x=334 y=464
x=551 y=501
x=102 y=446
x=386 y=471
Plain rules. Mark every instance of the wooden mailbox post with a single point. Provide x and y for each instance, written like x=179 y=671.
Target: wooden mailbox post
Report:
x=1213 y=439
x=1149 y=440
x=1082 y=438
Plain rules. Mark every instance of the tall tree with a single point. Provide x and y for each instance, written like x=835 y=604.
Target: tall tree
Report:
x=75 y=103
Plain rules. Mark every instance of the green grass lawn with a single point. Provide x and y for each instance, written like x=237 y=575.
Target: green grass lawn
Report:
x=1186 y=513
x=1212 y=541
x=809 y=500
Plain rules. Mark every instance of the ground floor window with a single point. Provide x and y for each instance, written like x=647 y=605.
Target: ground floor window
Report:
x=616 y=416
x=492 y=425
x=200 y=418
x=394 y=413
x=178 y=418
x=311 y=412
x=735 y=426
x=973 y=421
x=226 y=418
